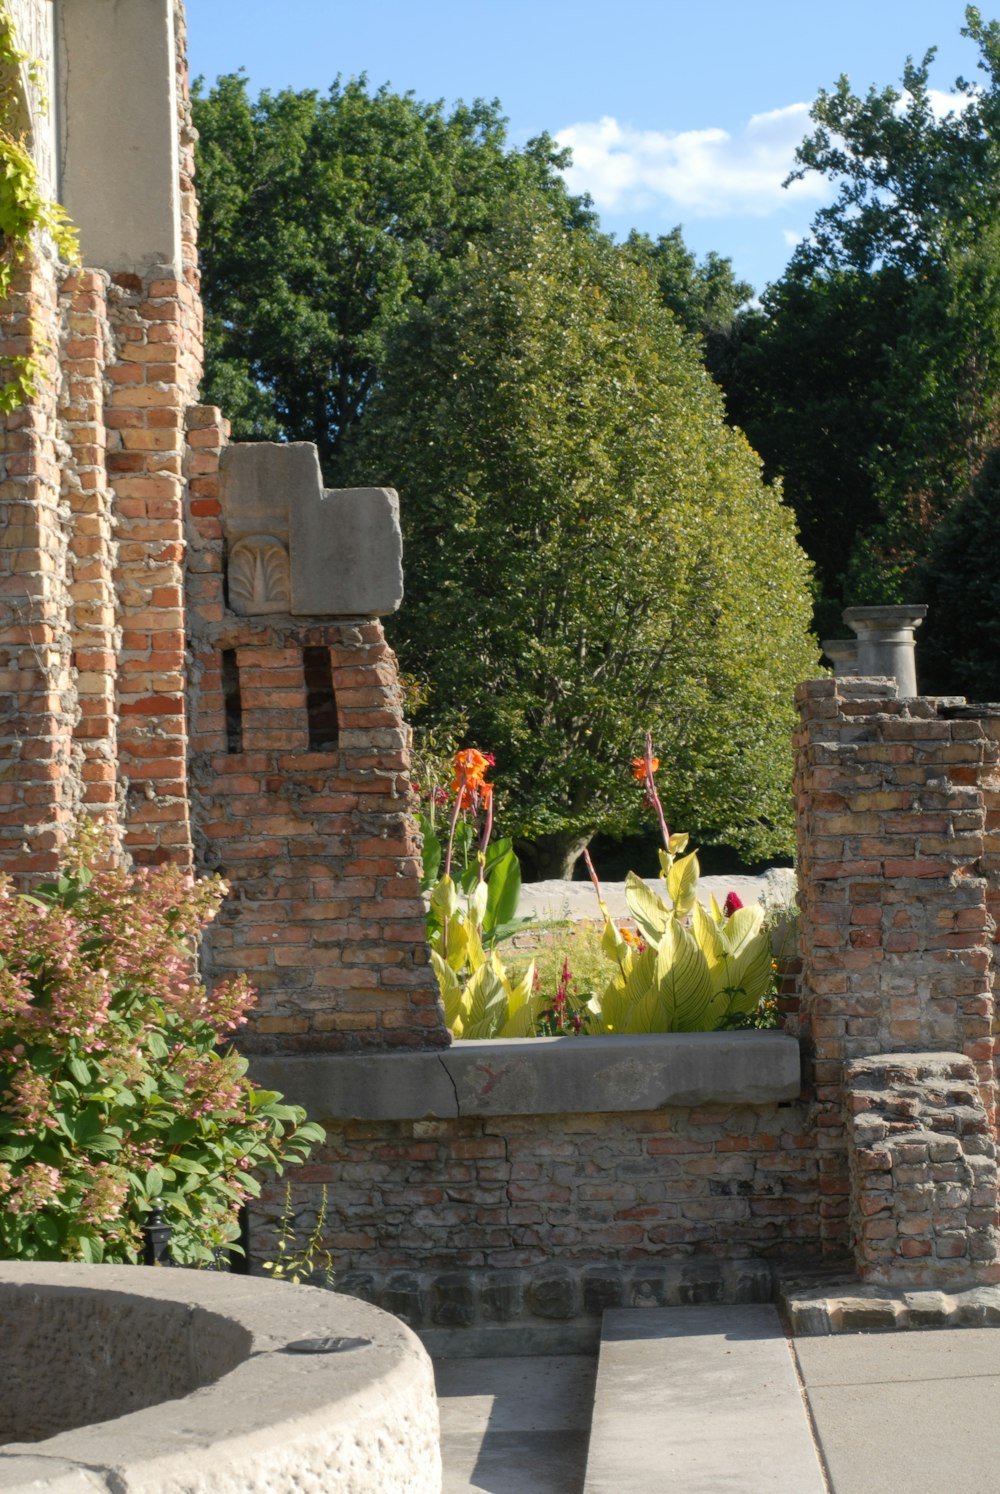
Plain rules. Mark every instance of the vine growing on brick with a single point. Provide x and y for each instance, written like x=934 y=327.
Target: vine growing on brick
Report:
x=24 y=209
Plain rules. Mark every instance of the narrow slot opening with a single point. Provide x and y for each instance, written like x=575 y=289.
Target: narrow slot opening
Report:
x=231 y=696
x=321 y=703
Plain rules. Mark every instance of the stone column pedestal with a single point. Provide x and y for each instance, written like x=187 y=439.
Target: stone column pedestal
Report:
x=886 y=644
x=843 y=655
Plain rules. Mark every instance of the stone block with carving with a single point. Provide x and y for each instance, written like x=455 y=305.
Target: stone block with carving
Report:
x=298 y=548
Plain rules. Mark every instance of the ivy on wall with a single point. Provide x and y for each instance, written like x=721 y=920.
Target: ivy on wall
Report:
x=24 y=210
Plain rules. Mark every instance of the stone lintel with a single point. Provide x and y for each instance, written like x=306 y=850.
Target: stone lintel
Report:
x=541 y=1076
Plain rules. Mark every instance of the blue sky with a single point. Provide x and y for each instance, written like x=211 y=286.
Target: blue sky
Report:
x=676 y=113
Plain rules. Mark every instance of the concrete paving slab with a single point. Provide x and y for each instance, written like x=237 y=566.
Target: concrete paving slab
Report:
x=515 y=1426
x=913 y=1411
x=699 y=1400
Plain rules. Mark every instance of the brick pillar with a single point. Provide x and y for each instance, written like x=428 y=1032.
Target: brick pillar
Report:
x=38 y=710
x=896 y=936
x=87 y=351
x=317 y=842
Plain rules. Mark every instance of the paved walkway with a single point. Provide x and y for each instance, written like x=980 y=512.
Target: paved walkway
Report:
x=709 y=1400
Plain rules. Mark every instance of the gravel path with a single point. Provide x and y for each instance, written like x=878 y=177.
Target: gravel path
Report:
x=575 y=902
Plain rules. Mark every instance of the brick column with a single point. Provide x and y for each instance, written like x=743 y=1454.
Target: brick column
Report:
x=896 y=937
x=38 y=787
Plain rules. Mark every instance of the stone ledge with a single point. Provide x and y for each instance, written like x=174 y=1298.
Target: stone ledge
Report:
x=540 y=1076
x=822 y=1304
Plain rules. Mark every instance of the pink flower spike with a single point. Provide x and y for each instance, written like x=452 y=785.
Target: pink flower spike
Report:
x=733 y=901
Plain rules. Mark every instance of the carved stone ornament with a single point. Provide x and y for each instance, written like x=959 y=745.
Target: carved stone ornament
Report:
x=259 y=580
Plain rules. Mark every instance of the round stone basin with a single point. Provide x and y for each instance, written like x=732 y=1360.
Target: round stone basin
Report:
x=146 y=1381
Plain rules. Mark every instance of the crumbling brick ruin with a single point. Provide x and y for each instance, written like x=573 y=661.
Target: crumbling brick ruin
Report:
x=190 y=650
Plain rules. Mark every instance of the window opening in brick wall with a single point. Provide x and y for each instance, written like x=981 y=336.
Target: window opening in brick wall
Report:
x=231 y=696
x=321 y=703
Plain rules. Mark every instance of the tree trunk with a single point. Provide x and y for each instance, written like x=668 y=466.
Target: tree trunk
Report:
x=551 y=857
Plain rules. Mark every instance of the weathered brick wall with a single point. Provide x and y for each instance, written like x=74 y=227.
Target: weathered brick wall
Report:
x=318 y=845
x=896 y=932
x=923 y=1171
x=522 y=1190
x=38 y=787
x=92 y=630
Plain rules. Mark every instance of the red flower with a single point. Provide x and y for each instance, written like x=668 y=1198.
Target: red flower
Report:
x=733 y=901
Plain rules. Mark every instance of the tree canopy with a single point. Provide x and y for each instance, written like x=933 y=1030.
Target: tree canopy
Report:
x=590 y=548
x=322 y=217
x=870 y=377
x=960 y=581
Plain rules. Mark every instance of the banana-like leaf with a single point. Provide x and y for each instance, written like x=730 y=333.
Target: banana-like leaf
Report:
x=648 y=1014
x=682 y=884
x=477 y=903
x=751 y=972
x=475 y=953
x=715 y=910
x=451 y=993
x=683 y=979
x=487 y=1004
x=611 y=1007
x=743 y=926
x=504 y=886
x=456 y=945
x=523 y=1022
x=649 y=911
x=614 y=946
x=444 y=899
x=707 y=935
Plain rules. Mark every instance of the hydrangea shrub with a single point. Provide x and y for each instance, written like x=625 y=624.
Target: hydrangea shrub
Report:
x=119 y=1090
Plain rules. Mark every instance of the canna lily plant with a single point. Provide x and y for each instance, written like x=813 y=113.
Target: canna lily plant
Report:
x=692 y=969
x=472 y=910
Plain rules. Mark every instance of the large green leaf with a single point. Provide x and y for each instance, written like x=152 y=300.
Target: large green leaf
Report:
x=486 y=1002
x=649 y=911
x=683 y=980
x=682 y=884
x=504 y=892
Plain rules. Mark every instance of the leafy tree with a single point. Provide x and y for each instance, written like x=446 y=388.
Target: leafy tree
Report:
x=706 y=298
x=591 y=550
x=871 y=379
x=322 y=218
x=960 y=581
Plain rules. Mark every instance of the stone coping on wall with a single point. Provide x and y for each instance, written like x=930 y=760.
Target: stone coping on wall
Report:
x=540 y=1076
x=328 y=1392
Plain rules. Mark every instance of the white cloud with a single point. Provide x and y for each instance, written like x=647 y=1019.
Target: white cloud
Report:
x=699 y=173
x=791 y=238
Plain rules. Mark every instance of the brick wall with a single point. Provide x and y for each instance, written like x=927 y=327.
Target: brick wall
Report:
x=682 y=1183
x=92 y=628
x=897 y=937
x=315 y=838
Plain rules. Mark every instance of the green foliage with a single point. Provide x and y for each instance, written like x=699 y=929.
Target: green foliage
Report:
x=706 y=298
x=323 y=217
x=588 y=544
x=692 y=970
x=24 y=211
x=117 y=1094
x=960 y=581
x=870 y=379
x=302 y=1261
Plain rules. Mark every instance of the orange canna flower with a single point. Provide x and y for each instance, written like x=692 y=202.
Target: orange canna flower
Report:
x=469 y=783
x=639 y=767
